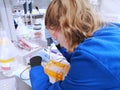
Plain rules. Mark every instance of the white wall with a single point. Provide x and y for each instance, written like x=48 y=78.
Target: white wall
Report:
x=110 y=9
x=110 y=6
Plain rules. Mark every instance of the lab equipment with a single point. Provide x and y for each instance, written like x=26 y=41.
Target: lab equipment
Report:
x=56 y=70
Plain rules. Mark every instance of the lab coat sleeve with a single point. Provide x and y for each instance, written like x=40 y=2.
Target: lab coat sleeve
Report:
x=40 y=81
x=38 y=78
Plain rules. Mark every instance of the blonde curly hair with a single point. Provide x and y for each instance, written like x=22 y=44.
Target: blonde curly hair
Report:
x=75 y=18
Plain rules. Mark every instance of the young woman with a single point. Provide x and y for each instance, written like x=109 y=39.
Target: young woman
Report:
x=91 y=47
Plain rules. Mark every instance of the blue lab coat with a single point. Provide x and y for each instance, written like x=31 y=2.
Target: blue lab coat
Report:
x=94 y=64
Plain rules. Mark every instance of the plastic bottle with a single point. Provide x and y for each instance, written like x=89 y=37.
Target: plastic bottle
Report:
x=8 y=53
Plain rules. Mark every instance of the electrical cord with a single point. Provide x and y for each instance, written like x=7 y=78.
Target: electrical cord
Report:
x=21 y=74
